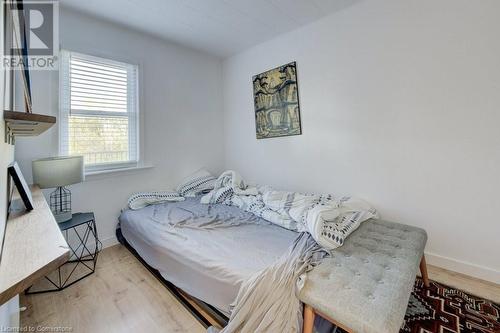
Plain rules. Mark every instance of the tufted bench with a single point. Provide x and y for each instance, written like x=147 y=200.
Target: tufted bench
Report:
x=365 y=285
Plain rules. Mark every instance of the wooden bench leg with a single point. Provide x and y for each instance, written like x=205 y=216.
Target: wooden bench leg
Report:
x=423 y=271
x=308 y=319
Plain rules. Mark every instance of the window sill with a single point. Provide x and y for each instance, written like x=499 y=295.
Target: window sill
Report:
x=111 y=172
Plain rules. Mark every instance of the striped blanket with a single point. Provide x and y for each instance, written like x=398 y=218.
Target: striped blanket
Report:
x=329 y=220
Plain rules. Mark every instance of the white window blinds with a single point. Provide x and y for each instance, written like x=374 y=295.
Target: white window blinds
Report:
x=98 y=111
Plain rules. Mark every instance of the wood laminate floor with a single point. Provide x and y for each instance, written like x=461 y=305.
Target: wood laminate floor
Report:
x=122 y=296
x=474 y=286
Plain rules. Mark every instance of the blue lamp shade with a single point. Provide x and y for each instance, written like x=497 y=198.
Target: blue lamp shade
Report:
x=58 y=171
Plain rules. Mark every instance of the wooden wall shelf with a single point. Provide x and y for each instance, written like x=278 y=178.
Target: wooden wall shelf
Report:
x=26 y=124
x=33 y=247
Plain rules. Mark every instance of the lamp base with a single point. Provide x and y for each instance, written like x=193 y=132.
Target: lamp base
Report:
x=62 y=217
x=60 y=204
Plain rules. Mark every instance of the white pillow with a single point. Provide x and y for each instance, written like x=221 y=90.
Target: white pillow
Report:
x=199 y=182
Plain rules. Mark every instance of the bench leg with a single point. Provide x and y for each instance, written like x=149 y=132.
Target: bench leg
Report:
x=308 y=319
x=423 y=271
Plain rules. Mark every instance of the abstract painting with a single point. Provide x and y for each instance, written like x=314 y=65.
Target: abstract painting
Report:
x=276 y=100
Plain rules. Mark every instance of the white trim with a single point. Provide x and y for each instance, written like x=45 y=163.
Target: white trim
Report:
x=99 y=58
x=133 y=90
x=477 y=271
x=110 y=172
x=108 y=242
x=103 y=167
x=63 y=100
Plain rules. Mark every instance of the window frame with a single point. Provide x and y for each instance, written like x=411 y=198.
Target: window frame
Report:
x=134 y=132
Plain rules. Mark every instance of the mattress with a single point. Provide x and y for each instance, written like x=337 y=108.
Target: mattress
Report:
x=206 y=250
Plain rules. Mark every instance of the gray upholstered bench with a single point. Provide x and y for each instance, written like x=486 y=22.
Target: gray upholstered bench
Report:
x=366 y=284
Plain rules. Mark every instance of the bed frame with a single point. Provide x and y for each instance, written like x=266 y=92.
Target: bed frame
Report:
x=206 y=314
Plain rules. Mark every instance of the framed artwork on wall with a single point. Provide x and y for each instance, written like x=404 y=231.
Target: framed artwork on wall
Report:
x=276 y=101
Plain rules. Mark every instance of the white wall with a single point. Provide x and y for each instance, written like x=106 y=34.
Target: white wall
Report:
x=400 y=105
x=181 y=105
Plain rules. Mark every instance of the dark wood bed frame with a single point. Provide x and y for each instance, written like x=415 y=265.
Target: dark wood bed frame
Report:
x=206 y=314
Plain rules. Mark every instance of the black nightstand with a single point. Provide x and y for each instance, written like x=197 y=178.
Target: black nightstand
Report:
x=81 y=234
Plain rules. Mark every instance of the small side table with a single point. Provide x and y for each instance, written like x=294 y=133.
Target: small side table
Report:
x=81 y=234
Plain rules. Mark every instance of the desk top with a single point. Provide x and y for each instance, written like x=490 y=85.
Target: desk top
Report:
x=33 y=247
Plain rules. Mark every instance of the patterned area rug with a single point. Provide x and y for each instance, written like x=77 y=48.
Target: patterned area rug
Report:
x=442 y=309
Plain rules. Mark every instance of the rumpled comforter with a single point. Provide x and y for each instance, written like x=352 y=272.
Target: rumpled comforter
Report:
x=327 y=219
x=267 y=301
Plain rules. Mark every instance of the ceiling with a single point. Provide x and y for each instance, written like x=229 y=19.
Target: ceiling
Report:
x=219 y=27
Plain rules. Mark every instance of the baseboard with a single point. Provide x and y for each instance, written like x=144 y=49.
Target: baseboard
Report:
x=463 y=267
x=110 y=241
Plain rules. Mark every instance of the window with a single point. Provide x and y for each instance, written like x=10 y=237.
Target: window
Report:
x=98 y=111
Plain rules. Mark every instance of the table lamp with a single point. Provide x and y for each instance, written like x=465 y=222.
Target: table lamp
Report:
x=59 y=172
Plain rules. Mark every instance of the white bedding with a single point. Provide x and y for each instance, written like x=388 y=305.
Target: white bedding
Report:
x=329 y=220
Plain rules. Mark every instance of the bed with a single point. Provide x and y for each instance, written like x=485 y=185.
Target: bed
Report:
x=202 y=253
